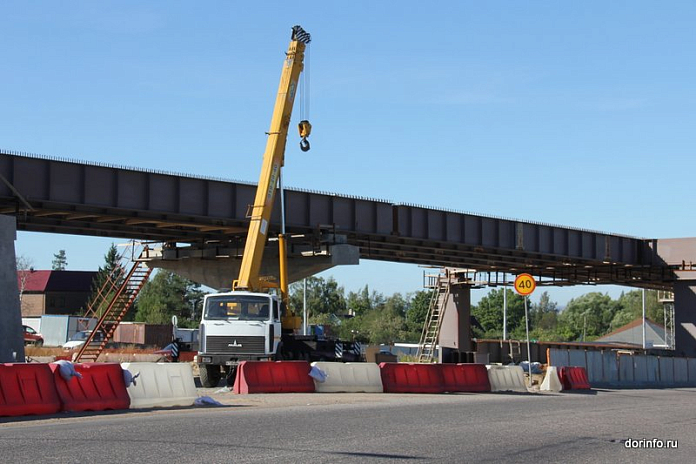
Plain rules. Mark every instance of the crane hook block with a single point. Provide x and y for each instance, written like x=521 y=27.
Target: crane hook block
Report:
x=305 y=128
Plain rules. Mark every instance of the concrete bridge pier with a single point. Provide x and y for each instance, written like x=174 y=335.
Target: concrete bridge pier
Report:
x=11 y=334
x=685 y=318
x=455 y=333
x=680 y=254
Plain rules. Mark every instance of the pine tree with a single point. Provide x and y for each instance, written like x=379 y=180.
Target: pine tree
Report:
x=111 y=262
x=167 y=295
x=60 y=262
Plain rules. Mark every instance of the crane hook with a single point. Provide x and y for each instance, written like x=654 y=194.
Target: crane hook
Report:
x=305 y=128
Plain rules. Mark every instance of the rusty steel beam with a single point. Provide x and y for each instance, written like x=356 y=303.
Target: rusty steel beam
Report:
x=92 y=199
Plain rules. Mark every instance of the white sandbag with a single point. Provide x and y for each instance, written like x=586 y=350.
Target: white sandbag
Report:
x=67 y=370
x=317 y=374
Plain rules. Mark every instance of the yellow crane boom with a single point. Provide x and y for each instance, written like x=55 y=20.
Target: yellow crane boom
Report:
x=273 y=160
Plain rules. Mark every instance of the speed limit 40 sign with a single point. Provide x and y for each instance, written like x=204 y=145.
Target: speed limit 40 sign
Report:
x=525 y=284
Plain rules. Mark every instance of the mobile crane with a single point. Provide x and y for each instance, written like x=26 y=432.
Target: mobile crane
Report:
x=251 y=323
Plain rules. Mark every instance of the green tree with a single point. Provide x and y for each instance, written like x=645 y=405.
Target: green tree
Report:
x=489 y=313
x=106 y=273
x=323 y=297
x=60 y=261
x=418 y=310
x=587 y=317
x=631 y=308
x=544 y=319
x=166 y=295
x=363 y=301
x=385 y=323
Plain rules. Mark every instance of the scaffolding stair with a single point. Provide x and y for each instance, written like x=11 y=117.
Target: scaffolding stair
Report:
x=433 y=322
x=113 y=301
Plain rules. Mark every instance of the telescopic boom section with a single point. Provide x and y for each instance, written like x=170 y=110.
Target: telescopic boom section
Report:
x=273 y=160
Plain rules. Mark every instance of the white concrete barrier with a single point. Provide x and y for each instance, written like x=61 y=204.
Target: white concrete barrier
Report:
x=506 y=378
x=349 y=377
x=161 y=385
x=551 y=381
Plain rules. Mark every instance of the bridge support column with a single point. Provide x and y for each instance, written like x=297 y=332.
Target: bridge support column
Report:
x=685 y=318
x=11 y=335
x=455 y=332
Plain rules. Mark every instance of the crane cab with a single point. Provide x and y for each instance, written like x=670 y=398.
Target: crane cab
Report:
x=238 y=326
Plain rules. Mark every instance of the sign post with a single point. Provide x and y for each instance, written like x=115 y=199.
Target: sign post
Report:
x=525 y=285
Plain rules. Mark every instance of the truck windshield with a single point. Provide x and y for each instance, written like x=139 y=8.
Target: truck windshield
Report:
x=237 y=307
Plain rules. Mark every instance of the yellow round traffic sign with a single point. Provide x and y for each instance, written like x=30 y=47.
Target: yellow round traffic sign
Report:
x=525 y=284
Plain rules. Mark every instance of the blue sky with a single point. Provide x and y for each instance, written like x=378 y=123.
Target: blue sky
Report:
x=574 y=114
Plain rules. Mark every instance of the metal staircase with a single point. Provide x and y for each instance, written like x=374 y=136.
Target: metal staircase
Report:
x=433 y=321
x=113 y=300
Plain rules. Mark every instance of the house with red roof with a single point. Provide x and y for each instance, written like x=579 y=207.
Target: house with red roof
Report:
x=54 y=292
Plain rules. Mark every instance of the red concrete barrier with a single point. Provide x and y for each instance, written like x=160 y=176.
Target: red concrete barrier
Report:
x=101 y=387
x=574 y=378
x=273 y=377
x=411 y=378
x=27 y=389
x=465 y=378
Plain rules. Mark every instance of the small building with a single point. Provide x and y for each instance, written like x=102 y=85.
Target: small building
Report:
x=54 y=292
x=632 y=334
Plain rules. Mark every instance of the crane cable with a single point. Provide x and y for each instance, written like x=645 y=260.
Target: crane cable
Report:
x=304 y=126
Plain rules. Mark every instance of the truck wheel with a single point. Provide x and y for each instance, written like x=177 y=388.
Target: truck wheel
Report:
x=210 y=375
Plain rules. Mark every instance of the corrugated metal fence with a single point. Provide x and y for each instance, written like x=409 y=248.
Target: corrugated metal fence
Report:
x=611 y=368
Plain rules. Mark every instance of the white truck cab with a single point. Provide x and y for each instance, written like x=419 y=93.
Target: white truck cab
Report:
x=237 y=326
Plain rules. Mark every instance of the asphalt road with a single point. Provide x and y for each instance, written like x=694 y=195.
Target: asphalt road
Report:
x=338 y=428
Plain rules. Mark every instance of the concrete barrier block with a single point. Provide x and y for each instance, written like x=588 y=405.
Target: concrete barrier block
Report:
x=273 y=377
x=574 y=378
x=101 y=387
x=411 y=378
x=349 y=377
x=465 y=378
x=506 y=378
x=551 y=381
x=27 y=389
x=161 y=385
